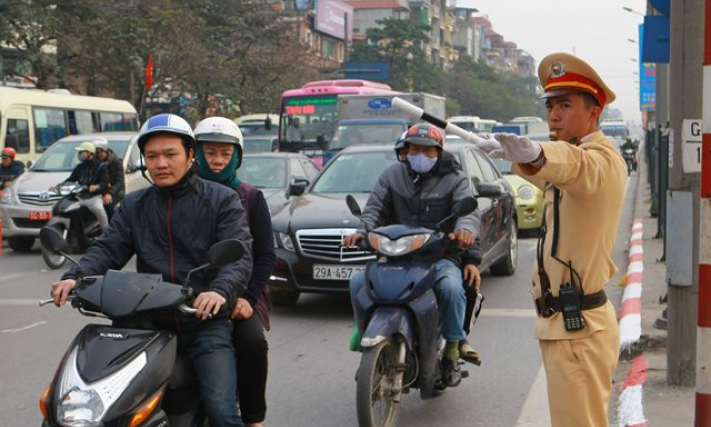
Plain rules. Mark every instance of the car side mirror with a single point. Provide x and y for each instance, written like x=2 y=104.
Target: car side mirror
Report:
x=298 y=187
x=29 y=164
x=490 y=190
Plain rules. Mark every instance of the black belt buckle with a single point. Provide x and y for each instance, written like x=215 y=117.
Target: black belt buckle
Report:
x=547 y=310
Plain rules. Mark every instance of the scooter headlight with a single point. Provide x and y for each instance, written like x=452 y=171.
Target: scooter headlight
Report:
x=84 y=405
x=65 y=191
x=402 y=246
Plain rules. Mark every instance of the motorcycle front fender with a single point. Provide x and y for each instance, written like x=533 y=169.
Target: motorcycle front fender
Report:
x=58 y=220
x=386 y=322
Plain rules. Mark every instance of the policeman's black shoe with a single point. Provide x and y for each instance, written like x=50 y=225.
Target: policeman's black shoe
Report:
x=451 y=373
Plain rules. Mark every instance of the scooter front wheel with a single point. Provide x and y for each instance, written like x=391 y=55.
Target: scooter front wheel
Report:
x=54 y=261
x=379 y=386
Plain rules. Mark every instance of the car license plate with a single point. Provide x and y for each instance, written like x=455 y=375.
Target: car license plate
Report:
x=40 y=215
x=336 y=272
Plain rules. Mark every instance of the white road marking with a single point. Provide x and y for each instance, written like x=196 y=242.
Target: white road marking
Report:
x=10 y=277
x=508 y=312
x=12 y=331
x=21 y=301
x=535 y=412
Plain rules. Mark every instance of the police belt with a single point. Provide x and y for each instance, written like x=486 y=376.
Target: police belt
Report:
x=548 y=306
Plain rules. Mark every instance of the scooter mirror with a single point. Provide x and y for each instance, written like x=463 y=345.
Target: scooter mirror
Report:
x=225 y=252
x=465 y=206
x=353 y=205
x=53 y=240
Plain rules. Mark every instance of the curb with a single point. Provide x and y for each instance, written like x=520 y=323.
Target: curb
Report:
x=630 y=412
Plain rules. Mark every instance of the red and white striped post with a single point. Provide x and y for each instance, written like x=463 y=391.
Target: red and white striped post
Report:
x=703 y=333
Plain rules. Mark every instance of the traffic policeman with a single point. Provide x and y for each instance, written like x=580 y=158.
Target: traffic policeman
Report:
x=583 y=176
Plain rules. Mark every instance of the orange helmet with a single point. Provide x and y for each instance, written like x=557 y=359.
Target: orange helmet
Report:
x=9 y=152
x=424 y=134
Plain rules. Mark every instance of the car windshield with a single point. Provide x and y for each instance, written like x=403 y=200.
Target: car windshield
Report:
x=370 y=133
x=62 y=156
x=258 y=145
x=257 y=128
x=264 y=172
x=503 y=165
x=355 y=172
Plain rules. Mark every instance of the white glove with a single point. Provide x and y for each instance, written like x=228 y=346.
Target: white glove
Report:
x=488 y=144
x=517 y=149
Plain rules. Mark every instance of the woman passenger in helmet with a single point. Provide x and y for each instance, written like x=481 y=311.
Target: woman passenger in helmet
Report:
x=219 y=154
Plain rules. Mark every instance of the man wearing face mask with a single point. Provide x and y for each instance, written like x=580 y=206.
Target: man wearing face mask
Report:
x=420 y=192
x=89 y=173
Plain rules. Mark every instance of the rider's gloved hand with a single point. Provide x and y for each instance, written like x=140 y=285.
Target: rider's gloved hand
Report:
x=61 y=290
x=517 y=149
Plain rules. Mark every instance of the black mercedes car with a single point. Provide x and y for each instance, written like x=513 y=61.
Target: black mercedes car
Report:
x=310 y=228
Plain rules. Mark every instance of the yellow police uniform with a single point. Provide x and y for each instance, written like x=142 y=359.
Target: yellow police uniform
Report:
x=590 y=178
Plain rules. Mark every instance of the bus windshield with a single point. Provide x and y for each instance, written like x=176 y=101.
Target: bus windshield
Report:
x=306 y=120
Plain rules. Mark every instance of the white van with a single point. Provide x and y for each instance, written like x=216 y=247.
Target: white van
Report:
x=473 y=123
x=31 y=120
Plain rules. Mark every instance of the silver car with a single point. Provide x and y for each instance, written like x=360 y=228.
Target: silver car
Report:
x=26 y=206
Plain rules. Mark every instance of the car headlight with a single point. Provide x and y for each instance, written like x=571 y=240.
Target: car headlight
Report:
x=7 y=197
x=285 y=240
x=84 y=405
x=525 y=192
x=402 y=246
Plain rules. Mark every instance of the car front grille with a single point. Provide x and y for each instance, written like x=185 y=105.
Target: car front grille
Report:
x=27 y=223
x=325 y=244
x=39 y=199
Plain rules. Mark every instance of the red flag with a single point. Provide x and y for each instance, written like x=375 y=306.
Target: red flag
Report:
x=149 y=72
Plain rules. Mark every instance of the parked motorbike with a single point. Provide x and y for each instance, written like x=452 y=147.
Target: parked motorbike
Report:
x=629 y=155
x=77 y=225
x=129 y=373
x=397 y=312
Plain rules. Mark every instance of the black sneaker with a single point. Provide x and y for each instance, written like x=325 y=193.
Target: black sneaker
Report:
x=451 y=373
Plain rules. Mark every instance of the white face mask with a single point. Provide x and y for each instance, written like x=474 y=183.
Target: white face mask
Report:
x=420 y=163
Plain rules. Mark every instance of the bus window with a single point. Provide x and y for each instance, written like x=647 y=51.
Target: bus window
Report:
x=50 y=125
x=21 y=131
x=80 y=122
x=111 y=121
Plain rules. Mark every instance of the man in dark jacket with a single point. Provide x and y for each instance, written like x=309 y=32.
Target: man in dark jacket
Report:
x=115 y=190
x=89 y=174
x=169 y=227
x=9 y=167
x=421 y=192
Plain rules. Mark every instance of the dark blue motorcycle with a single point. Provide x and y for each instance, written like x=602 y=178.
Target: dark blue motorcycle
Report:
x=397 y=312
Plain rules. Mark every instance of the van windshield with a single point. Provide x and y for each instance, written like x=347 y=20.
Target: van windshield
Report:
x=366 y=133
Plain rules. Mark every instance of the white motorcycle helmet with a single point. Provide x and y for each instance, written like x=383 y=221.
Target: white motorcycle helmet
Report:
x=221 y=130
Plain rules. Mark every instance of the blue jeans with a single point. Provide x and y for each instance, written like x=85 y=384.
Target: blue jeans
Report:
x=212 y=356
x=451 y=299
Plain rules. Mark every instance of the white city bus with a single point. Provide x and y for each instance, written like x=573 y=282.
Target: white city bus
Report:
x=473 y=123
x=31 y=120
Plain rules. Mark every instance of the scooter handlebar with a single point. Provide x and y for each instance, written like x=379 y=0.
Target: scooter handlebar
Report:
x=183 y=307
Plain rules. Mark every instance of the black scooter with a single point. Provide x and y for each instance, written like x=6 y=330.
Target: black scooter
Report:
x=129 y=373
x=77 y=225
x=397 y=312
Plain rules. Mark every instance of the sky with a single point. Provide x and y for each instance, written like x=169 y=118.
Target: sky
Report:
x=594 y=30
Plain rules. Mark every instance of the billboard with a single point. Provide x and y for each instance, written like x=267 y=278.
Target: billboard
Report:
x=331 y=18
x=647 y=79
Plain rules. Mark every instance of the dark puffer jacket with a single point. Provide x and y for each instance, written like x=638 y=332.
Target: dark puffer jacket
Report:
x=170 y=231
x=403 y=196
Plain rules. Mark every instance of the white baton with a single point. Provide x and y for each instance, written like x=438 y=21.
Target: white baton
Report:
x=418 y=113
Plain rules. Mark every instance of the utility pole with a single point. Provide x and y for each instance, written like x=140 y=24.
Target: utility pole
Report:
x=682 y=200
x=702 y=417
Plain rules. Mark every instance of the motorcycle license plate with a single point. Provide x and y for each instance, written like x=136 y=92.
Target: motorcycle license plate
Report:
x=40 y=215
x=336 y=272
